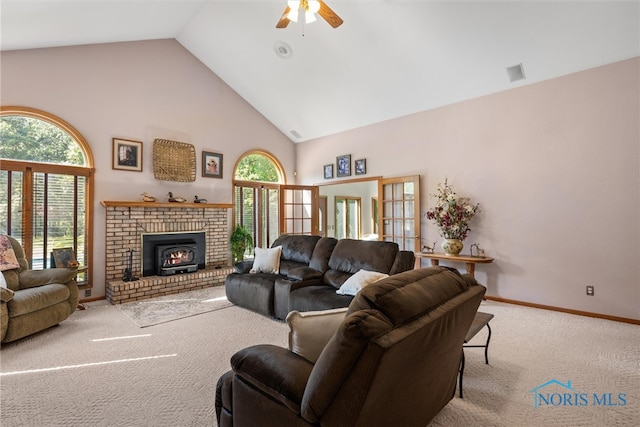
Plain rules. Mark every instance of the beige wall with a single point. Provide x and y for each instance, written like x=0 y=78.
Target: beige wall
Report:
x=140 y=91
x=555 y=167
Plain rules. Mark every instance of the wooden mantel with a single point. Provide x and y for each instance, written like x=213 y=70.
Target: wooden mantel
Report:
x=138 y=204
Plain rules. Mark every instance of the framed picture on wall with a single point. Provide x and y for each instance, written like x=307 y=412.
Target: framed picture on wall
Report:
x=127 y=155
x=328 y=171
x=360 y=166
x=343 y=164
x=211 y=164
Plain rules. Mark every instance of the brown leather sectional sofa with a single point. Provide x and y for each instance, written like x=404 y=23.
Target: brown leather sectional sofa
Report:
x=312 y=268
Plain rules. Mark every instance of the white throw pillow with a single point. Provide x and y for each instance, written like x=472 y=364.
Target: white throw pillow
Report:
x=310 y=331
x=3 y=282
x=359 y=280
x=267 y=260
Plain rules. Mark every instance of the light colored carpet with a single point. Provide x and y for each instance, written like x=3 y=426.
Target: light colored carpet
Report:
x=177 y=306
x=99 y=369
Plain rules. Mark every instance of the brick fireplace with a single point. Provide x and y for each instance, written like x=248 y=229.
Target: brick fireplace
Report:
x=128 y=221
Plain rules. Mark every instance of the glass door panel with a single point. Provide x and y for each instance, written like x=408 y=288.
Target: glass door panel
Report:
x=400 y=205
x=299 y=209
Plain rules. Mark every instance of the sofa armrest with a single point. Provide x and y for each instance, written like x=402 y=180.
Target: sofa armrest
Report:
x=274 y=371
x=6 y=295
x=243 y=267
x=304 y=273
x=33 y=278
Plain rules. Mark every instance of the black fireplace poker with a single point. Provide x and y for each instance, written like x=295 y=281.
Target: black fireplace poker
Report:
x=128 y=272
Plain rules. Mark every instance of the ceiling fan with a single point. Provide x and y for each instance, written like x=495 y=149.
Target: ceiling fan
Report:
x=309 y=8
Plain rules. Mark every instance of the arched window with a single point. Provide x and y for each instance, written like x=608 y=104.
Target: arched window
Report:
x=46 y=188
x=257 y=176
x=259 y=166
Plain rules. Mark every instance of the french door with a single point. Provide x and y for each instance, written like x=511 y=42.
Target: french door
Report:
x=267 y=210
x=399 y=216
x=299 y=209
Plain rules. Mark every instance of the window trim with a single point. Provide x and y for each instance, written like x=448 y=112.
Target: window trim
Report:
x=56 y=121
x=87 y=170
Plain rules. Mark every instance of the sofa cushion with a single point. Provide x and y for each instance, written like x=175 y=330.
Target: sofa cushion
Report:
x=33 y=299
x=301 y=273
x=320 y=297
x=359 y=280
x=288 y=268
x=322 y=253
x=296 y=247
x=309 y=332
x=266 y=260
x=350 y=256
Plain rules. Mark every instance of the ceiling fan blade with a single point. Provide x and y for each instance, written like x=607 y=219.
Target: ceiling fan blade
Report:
x=329 y=15
x=284 y=21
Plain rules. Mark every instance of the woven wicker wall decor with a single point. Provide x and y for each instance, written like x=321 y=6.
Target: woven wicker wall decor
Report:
x=174 y=161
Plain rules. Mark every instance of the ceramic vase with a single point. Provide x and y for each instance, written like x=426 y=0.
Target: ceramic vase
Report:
x=452 y=246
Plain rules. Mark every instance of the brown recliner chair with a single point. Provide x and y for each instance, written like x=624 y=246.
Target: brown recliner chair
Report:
x=35 y=300
x=393 y=361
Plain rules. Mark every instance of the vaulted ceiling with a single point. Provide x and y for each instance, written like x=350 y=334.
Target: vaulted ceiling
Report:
x=390 y=58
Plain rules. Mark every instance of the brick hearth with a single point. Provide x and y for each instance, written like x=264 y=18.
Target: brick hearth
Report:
x=126 y=221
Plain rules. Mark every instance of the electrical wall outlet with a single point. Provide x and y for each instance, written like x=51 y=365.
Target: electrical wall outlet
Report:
x=590 y=290
x=87 y=293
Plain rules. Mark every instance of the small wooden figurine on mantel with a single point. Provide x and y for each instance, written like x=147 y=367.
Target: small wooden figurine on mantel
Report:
x=198 y=200
x=176 y=199
x=147 y=198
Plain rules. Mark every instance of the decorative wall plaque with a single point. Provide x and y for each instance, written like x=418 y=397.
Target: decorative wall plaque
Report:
x=174 y=161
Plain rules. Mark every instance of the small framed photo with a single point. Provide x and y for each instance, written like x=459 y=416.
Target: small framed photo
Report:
x=64 y=257
x=127 y=155
x=360 y=166
x=211 y=164
x=328 y=171
x=343 y=164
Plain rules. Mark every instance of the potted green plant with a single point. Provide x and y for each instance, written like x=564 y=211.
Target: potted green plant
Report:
x=240 y=240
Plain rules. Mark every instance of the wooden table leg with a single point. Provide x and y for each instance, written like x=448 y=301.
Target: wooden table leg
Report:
x=471 y=268
x=435 y=262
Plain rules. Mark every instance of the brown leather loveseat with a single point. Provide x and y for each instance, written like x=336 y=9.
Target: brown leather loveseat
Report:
x=393 y=361
x=303 y=259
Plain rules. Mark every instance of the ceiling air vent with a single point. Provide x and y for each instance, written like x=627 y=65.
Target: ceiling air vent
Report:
x=295 y=134
x=516 y=73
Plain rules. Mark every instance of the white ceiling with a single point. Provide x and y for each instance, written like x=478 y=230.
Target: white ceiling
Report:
x=390 y=58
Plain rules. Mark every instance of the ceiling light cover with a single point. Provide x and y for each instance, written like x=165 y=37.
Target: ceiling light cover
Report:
x=283 y=50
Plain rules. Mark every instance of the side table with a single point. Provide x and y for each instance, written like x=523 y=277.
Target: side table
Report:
x=469 y=261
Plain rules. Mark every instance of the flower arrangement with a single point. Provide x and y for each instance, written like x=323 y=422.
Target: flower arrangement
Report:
x=452 y=214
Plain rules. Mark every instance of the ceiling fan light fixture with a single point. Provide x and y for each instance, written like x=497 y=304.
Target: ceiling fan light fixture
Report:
x=309 y=17
x=306 y=10
x=313 y=6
